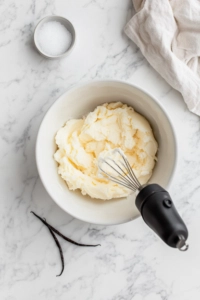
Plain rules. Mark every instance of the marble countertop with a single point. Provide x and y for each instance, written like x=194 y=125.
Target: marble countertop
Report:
x=132 y=263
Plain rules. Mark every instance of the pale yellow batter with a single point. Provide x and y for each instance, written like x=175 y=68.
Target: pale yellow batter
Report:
x=110 y=126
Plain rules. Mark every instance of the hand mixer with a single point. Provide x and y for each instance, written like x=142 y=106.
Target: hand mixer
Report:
x=153 y=202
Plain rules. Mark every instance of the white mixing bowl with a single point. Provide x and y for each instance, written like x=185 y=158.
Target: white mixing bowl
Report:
x=78 y=102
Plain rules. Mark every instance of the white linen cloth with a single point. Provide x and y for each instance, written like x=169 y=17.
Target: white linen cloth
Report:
x=168 y=34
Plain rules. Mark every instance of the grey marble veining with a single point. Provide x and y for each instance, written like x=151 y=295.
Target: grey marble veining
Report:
x=131 y=264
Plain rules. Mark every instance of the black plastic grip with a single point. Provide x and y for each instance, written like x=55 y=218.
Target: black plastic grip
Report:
x=160 y=214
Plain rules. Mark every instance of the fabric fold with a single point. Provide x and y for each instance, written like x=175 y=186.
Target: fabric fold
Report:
x=168 y=35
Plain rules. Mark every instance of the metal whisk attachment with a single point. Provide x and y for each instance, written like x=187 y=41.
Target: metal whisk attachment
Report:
x=153 y=202
x=119 y=171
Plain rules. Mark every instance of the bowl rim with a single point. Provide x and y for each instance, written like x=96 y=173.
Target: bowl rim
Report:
x=72 y=32
x=77 y=86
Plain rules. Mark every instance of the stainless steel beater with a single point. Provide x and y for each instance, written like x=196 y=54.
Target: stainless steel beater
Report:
x=153 y=202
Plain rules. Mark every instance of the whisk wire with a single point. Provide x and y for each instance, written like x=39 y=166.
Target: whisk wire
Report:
x=129 y=176
x=117 y=181
x=126 y=175
x=123 y=178
x=131 y=171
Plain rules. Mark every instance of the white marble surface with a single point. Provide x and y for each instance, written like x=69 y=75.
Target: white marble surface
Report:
x=132 y=263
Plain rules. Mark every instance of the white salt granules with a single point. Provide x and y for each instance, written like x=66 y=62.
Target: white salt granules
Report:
x=54 y=38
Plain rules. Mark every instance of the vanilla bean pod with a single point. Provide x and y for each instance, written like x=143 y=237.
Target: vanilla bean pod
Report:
x=53 y=231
